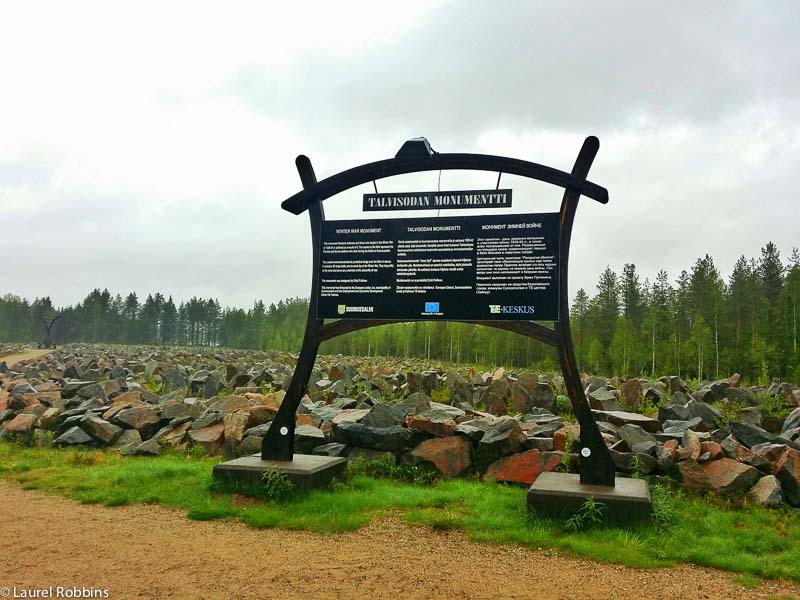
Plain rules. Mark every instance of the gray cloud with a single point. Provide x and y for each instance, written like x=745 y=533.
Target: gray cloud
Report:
x=576 y=66
x=178 y=189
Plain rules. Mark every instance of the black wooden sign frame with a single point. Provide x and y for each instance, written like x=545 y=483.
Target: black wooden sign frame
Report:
x=48 y=327
x=594 y=463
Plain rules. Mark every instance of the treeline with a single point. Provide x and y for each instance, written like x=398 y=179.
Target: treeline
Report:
x=696 y=326
x=102 y=317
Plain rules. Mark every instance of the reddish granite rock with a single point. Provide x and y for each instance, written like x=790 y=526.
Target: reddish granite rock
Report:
x=771 y=424
x=450 y=456
x=497 y=407
x=439 y=428
x=529 y=381
x=766 y=492
x=520 y=398
x=304 y=420
x=49 y=397
x=335 y=373
x=728 y=476
x=210 y=438
x=101 y=430
x=272 y=400
x=713 y=448
x=3 y=400
x=631 y=392
x=132 y=397
x=733 y=449
x=496 y=397
x=23 y=401
x=349 y=415
x=381 y=384
x=175 y=436
x=236 y=423
x=564 y=436
x=21 y=423
x=246 y=389
x=786 y=391
x=123 y=401
x=262 y=414
x=229 y=404
x=694 y=477
x=524 y=467
x=772 y=453
x=50 y=419
x=560 y=440
x=758 y=462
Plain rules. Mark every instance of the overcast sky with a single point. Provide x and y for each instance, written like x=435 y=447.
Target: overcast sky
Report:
x=147 y=146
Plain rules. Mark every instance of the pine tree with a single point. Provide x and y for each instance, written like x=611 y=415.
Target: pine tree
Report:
x=659 y=317
x=130 y=314
x=790 y=306
x=169 y=317
x=681 y=310
x=770 y=271
x=606 y=309
x=579 y=315
x=632 y=295
x=707 y=292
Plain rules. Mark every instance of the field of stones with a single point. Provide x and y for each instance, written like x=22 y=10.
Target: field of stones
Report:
x=734 y=441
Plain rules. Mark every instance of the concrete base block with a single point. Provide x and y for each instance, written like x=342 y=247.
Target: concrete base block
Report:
x=305 y=471
x=561 y=495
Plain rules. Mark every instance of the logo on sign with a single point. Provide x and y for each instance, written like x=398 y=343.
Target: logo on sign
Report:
x=343 y=308
x=431 y=307
x=497 y=309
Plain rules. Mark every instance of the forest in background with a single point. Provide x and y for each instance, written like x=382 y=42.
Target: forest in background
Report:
x=696 y=326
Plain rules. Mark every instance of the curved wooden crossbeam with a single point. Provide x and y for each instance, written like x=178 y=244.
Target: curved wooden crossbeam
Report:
x=422 y=161
x=594 y=463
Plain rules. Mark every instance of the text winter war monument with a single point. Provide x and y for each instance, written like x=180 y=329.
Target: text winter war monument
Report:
x=508 y=271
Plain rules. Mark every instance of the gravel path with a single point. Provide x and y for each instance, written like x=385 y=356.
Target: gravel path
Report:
x=152 y=552
x=11 y=359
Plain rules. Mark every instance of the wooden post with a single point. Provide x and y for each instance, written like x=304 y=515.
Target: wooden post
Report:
x=594 y=461
x=278 y=444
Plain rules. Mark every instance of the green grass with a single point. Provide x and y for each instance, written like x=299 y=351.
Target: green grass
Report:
x=753 y=542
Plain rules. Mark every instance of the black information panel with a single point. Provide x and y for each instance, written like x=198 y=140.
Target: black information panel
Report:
x=495 y=267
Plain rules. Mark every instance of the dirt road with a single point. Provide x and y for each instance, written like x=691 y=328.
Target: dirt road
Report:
x=11 y=359
x=151 y=552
